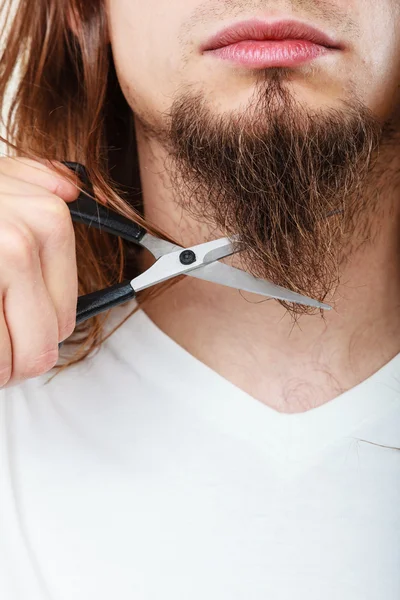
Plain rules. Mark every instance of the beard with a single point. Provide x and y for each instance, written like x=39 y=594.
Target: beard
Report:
x=290 y=182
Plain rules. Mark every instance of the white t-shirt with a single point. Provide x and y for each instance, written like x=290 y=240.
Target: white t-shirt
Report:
x=142 y=474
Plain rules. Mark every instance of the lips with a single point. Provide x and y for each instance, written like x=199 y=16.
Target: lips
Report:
x=264 y=31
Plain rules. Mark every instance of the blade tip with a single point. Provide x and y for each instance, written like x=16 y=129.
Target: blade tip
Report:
x=325 y=306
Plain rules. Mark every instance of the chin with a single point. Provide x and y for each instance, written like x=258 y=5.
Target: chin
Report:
x=241 y=95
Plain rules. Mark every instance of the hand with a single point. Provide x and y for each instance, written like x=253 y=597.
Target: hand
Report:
x=38 y=272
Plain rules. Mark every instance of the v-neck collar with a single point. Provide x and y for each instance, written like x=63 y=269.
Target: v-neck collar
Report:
x=283 y=437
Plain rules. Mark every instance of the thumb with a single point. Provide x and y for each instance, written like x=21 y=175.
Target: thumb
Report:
x=75 y=178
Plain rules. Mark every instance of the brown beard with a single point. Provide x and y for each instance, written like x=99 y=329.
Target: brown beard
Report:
x=287 y=180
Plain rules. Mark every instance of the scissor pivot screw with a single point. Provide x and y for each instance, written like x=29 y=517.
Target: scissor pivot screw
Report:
x=187 y=257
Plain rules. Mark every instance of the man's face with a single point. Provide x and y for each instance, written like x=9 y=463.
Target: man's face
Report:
x=280 y=153
x=157 y=47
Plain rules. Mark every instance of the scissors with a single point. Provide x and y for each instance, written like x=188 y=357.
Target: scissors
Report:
x=200 y=261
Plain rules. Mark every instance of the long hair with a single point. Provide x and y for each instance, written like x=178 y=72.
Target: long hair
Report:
x=68 y=105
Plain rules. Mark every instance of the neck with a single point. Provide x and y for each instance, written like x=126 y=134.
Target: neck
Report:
x=255 y=344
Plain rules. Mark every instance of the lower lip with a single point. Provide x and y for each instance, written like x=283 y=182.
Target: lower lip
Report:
x=270 y=53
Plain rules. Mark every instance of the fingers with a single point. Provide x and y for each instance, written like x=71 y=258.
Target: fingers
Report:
x=50 y=223
x=38 y=270
x=39 y=174
x=29 y=314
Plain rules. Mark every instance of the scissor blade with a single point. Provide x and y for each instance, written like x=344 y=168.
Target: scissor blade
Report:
x=207 y=252
x=236 y=278
x=225 y=248
x=172 y=264
x=219 y=249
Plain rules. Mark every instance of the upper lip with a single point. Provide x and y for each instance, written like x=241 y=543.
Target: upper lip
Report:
x=264 y=30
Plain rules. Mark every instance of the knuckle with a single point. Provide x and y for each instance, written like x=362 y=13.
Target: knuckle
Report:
x=40 y=364
x=17 y=245
x=56 y=217
x=55 y=209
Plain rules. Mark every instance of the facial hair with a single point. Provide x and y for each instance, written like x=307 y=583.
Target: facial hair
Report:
x=290 y=182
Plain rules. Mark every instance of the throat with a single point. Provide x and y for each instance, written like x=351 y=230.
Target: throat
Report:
x=290 y=366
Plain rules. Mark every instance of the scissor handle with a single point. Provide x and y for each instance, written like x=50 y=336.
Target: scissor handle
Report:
x=88 y=211
x=97 y=302
x=102 y=300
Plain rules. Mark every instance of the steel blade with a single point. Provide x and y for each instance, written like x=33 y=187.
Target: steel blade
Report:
x=225 y=249
x=170 y=265
x=236 y=278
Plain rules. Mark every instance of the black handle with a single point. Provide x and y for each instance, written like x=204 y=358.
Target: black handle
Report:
x=86 y=210
x=102 y=300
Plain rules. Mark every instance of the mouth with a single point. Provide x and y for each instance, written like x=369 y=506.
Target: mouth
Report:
x=259 y=44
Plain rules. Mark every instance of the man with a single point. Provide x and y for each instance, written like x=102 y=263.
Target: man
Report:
x=220 y=446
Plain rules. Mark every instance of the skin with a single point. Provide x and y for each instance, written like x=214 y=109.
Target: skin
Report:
x=291 y=367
